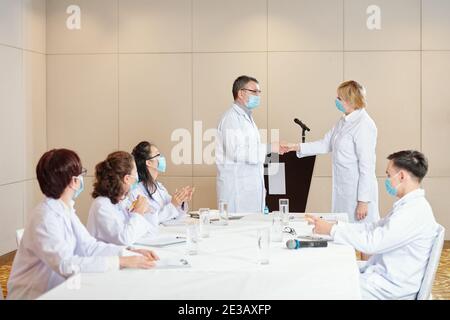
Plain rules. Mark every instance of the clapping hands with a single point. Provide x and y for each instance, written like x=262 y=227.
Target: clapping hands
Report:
x=182 y=195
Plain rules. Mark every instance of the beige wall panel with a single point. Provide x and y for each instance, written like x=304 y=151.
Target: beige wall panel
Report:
x=98 y=32
x=205 y=193
x=437 y=194
x=400 y=25
x=436 y=111
x=231 y=25
x=11 y=215
x=82 y=105
x=156 y=99
x=305 y=25
x=34 y=25
x=392 y=80
x=35 y=110
x=319 y=198
x=303 y=86
x=214 y=74
x=436 y=24
x=11 y=23
x=12 y=116
x=155 y=26
x=32 y=197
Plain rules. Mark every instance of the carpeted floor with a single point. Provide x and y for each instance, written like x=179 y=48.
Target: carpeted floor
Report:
x=441 y=288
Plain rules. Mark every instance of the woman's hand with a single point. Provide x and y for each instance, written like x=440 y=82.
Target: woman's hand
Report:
x=178 y=197
x=136 y=262
x=146 y=253
x=140 y=205
x=361 y=210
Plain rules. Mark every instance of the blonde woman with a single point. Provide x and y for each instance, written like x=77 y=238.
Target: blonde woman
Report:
x=352 y=142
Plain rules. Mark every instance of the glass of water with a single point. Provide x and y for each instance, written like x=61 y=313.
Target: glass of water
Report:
x=223 y=213
x=204 y=218
x=192 y=238
x=277 y=228
x=284 y=210
x=263 y=245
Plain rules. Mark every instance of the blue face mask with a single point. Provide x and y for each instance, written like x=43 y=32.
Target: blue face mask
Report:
x=135 y=184
x=80 y=190
x=340 y=106
x=390 y=188
x=162 y=165
x=253 y=102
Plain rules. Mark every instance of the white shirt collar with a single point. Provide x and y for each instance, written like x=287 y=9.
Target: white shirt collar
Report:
x=243 y=111
x=353 y=116
x=410 y=196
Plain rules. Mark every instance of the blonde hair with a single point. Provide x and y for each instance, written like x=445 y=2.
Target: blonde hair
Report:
x=353 y=93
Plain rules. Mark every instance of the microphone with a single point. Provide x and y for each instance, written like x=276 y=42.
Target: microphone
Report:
x=297 y=244
x=301 y=124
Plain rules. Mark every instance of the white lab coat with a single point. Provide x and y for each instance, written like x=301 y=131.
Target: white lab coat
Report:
x=240 y=158
x=114 y=223
x=352 y=142
x=55 y=245
x=400 y=244
x=162 y=209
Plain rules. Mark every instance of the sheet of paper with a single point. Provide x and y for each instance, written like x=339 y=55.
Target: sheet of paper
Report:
x=161 y=241
x=277 y=178
x=172 y=263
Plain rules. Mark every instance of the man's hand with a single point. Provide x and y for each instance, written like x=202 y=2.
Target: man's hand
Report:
x=320 y=226
x=283 y=147
x=361 y=210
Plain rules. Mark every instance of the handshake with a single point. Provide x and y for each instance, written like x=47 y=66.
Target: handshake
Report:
x=284 y=147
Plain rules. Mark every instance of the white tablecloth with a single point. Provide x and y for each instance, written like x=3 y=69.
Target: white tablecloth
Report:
x=226 y=268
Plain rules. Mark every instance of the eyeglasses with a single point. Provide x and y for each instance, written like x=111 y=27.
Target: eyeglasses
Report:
x=290 y=231
x=254 y=91
x=83 y=172
x=155 y=156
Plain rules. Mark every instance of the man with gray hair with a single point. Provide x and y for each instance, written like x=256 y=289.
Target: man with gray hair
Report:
x=240 y=155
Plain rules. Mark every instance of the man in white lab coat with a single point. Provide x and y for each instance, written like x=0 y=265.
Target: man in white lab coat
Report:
x=401 y=242
x=240 y=155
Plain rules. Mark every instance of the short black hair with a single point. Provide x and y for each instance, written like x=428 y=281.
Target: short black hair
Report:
x=412 y=161
x=240 y=83
x=55 y=170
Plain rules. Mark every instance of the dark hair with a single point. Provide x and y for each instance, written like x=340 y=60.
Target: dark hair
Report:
x=109 y=176
x=412 y=161
x=240 y=83
x=55 y=170
x=142 y=153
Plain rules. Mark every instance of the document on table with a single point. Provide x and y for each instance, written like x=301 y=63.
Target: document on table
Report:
x=161 y=241
x=172 y=263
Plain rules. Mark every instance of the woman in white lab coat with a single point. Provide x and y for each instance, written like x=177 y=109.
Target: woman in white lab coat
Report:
x=113 y=216
x=164 y=207
x=352 y=142
x=55 y=244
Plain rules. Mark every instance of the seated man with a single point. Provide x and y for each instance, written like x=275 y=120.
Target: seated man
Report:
x=400 y=243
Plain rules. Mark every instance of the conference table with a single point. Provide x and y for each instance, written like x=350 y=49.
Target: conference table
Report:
x=226 y=268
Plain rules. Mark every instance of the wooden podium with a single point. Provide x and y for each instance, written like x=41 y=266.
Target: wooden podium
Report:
x=298 y=175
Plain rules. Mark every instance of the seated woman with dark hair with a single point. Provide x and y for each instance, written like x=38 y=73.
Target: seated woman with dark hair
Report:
x=165 y=207
x=113 y=218
x=55 y=244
